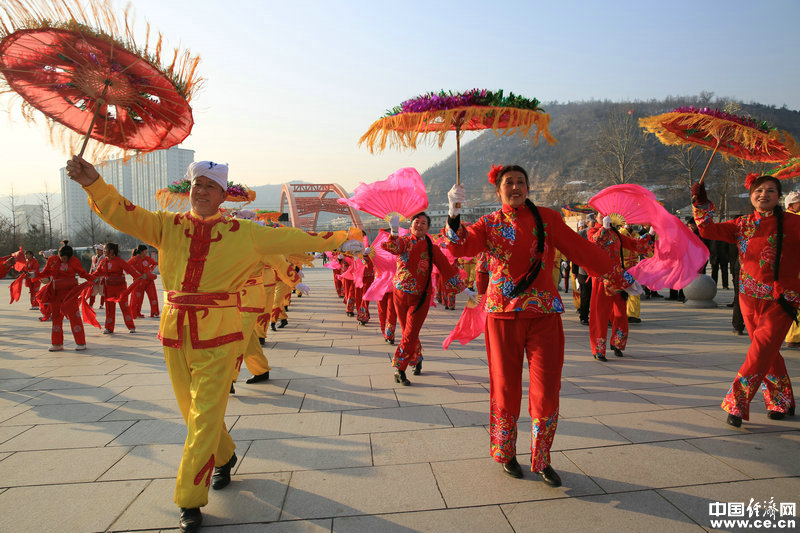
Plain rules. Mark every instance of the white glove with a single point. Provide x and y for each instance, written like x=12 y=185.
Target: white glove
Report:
x=394 y=223
x=635 y=289
x=469 y=293
x=652 y=231
x=302 y=288
x=353 y=246
x=301 y=274
x=456 y=195
x=606 y=221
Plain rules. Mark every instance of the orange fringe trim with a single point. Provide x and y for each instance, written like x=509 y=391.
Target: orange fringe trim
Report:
x=772 y=147
x=98 y=19
x=403 y=130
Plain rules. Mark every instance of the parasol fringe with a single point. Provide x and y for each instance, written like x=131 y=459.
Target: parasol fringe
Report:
x=718 y=128
x=98 y=19
x=404 y=130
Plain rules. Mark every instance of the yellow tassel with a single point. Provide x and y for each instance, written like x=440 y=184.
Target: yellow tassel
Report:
x=721 y=130
x=404 y=130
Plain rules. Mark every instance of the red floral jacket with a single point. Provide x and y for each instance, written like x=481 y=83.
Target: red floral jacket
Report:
x=608 y=241
x=413 y=264
x=755 y=237
x=509 y=238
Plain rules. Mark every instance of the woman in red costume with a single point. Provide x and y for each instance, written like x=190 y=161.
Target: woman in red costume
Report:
x=368 y=276
x=769 y=292
x=523 y=310
x=112 y=269
x=413 y=290
x=615 y=305
x=62 y=270
x=145 y=264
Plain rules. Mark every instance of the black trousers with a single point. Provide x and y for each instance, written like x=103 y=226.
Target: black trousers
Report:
x=586 y=294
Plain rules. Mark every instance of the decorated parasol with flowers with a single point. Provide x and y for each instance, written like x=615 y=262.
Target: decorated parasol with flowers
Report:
x=82 y=69
x=788 y=170
x=439 y=113
x=577 y=209
x=265 y=215
x=176 y=195
x=712 y=129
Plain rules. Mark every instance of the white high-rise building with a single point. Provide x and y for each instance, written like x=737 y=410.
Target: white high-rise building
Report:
x=27 y=216
x=137 y=179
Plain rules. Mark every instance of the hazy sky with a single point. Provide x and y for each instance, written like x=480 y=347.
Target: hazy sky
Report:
x=291 y=86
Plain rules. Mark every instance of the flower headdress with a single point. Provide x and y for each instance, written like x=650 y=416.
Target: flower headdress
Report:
x=748 y=181
x=494 y=173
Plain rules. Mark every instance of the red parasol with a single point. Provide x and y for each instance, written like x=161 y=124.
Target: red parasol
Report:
x=91 y=80
x=717 y=130
x=788 y=170
x=459 y=112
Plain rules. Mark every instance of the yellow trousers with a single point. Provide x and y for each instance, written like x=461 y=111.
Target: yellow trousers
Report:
x=634 y=306
x=794 y=333
x=576 y=293
x=282 y=293
x=201 y=380
x=253 y=355
x=262 y=326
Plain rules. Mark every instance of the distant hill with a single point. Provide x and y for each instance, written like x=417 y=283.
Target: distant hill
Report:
x=566 y=172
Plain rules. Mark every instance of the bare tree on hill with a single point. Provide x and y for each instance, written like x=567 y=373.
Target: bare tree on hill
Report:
x=617 y=149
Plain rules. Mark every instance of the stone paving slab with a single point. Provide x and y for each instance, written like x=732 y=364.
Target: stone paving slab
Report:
x=643 y=511
x=359 y=491
x=332 y=443
x=488 y=518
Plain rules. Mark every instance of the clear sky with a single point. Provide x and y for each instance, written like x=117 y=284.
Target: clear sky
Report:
x=292 y=85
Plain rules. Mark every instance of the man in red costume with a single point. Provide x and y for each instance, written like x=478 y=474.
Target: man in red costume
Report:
x=201 y=326
x=524 y=310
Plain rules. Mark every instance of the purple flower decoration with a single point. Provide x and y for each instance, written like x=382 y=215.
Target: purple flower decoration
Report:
x=716 y=113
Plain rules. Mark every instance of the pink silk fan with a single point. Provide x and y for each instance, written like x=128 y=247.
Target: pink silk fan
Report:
x=402 y=194
x=678 y=253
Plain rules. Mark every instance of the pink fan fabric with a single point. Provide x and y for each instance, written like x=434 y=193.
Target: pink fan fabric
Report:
x=358 y=272
x=402 y=193
x=332 y=263
x=385 y=266
x=679 y=253
x=471 y=324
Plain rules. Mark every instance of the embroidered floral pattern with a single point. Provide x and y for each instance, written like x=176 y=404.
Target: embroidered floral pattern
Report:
x=388 y=333
x=502 y=435
x=742 y=390
x=747 y=228
x=769 y=252
x=402 y=359
x=599 y=347
x=543 y=431
x=619 y=339
x=778 y=393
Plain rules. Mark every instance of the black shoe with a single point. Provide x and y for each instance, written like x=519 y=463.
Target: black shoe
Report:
x=729 y=305
x=418 y=369
x=735 y=421
x=286 y=308
x=350 y=314
x=283 y=323
x=400 y=377
x=222 y=474
x=738 y=331
x=550 y=476
x=634 y=320
x=191 y=520
x=261 y=341
x=259 y=378
x=233 y=389
x=512 y=468
x=584 y=322
x=600 y=357
x=617 y=351
x=362 y=322
x=655 y=295
x=272 y=326
x=775 y=415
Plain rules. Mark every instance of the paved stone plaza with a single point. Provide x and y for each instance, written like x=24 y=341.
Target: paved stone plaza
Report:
x=90 y=441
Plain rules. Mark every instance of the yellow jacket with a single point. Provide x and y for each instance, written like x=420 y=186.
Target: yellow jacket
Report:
x=204 y=262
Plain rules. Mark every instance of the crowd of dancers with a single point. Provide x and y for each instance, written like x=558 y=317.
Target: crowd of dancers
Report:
x=228 y=281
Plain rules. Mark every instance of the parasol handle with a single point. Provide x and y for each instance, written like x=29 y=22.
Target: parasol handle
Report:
x=458 y=160
x=91 y=125
x=719 y=141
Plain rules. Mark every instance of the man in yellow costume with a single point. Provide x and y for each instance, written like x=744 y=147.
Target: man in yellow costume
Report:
x=201 y=326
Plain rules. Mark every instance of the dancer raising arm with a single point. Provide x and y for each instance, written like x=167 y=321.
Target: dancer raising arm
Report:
x=769 y=292
x=523 y=309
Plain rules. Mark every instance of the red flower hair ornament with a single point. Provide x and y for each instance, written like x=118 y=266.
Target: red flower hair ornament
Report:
x=494 y=173
x=748 y=181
